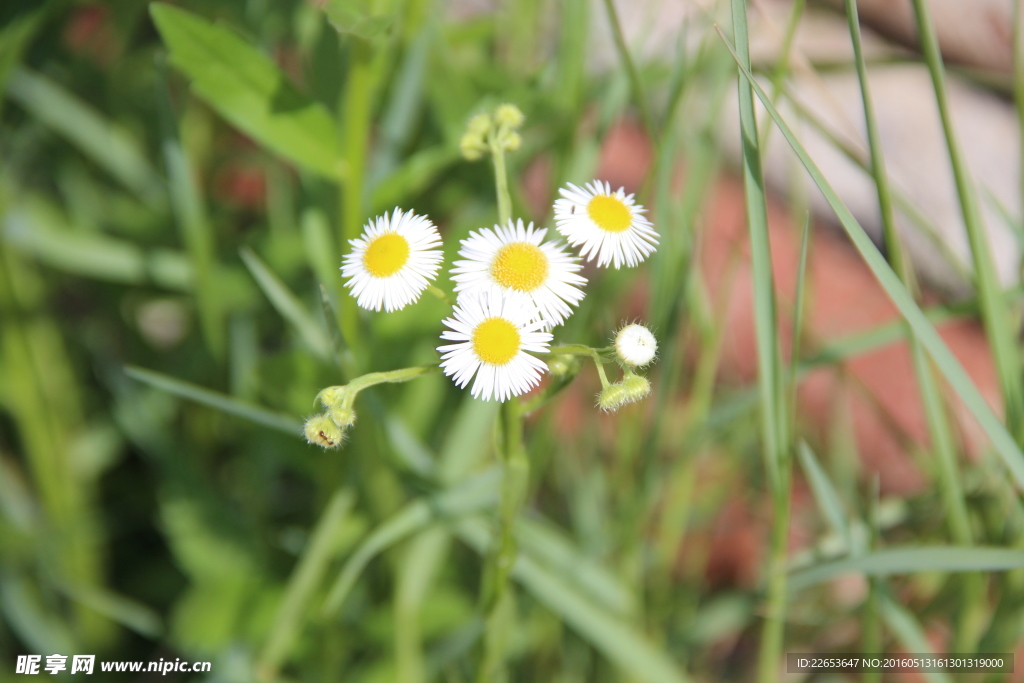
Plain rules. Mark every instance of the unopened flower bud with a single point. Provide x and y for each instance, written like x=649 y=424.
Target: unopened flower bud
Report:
x=331 y=396
x=563 y=365
x=612 y=397
x=479 y=125
x=342 y=416
x=637 y=387
x=509 y=116
x=321 y=431
x=510 y=141
x=631 y=389
x=472 y=147
x=635 y=346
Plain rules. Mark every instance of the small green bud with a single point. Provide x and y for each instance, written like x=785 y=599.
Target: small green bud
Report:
x=342 y=416
x=564 y=365
x=479 y=125
x=612 y=397
x=637 y=387
x=631 y=389
x=321 y=431
x=332 y=396
x=510 y=141
x=509 y=116
x=472 y=147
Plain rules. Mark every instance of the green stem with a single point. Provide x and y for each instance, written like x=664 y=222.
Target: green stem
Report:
x=440 y=294
x=500 y=179
x=356 y=113
x=391 y=376
x=772 y=638
x=772 y=394
x=503 y=554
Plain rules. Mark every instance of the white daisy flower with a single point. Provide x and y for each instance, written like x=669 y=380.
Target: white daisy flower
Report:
x=393 y=261
x=494 y=334
x=515 y=260
x=635 y=345
x=609 y=225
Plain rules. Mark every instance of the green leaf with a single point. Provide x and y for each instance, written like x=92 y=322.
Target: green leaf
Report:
x=248 y=89
x=106 y=144
x=911 y=560
x=617 y=639
x=14 y=38
x=38 y=229
x=213 y=399
x=303 y=582
x=288 y=305
x=470 y=496
x=354 y=18
x=825 y=495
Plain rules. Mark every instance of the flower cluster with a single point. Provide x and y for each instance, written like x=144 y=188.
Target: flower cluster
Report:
x=513 y=285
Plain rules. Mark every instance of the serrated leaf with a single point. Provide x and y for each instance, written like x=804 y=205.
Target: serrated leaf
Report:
x=249 y=90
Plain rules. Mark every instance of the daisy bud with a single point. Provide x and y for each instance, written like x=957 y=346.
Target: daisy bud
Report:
x=631 y=389
x=612 y=398
x=635 y=346
x=564 y=365
x=331 y=396
x=472 y=147
x=342 y=416
x=509 y=115
x=636 y=387
x=479 y=125
x=510 y=141
x=321 y=431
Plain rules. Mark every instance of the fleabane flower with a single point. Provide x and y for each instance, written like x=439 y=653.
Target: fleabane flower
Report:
x=515 y=260
x=393 y=261
x=494 y=337
x=607 y=225
x=635 y=345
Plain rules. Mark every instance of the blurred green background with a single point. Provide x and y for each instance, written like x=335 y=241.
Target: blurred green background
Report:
x=173 y=205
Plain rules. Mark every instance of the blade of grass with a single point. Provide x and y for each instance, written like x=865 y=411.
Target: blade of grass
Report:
x=615 y=638
x=472 y=495
x=32 y=229
x=994 y=315
x=895 y=561
x=1004 y=444
x=108 y=146
x=288 y=305
x=627 y=61
x=909 y=632
x=196 y=231
x=825 y=495
x=213 y=399
x=15 y=37
x=969 y=614
x=303 y=582
x=774 y=413
x=418 y=571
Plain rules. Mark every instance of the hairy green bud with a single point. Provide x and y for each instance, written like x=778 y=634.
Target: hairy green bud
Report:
x=322 y=431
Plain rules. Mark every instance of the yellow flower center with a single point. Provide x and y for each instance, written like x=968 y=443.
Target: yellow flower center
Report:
x=496 y=341
x=521 y=266
x=610 y=213
x=386 y=255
